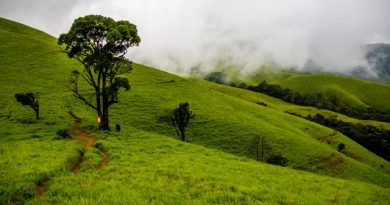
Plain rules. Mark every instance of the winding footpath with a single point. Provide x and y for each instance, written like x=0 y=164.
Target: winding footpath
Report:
x=78 y=134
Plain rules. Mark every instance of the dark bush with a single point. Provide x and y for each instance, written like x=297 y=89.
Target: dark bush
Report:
x=117 y=127
x=341 y=147
x=277 y=159
x=35 y=136
x=262 y=104
x=64 y=134
x=29 y=99
x=243 y=85
x=218 y=77
x=100 y=147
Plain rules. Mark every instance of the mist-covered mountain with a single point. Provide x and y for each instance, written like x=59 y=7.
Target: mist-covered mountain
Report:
x=378 y=57
x=377 y=68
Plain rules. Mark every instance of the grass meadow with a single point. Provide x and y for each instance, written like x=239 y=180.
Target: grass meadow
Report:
x=147 y=163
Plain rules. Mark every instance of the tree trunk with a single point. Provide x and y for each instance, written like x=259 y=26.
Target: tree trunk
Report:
x=37 y=114
x=183 y=135
x=99 y=108
x=104 y=124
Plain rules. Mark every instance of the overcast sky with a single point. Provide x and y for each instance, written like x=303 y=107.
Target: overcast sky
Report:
x=180 y=34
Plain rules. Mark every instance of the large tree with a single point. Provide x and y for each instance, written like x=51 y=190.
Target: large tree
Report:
x=100 y=44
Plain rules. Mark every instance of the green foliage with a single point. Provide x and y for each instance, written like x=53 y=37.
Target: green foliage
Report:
x=63 y=134
x=218 y=77
x=354 y=92
x=262 y=104
x=180 y=118
x=341 y=147
x=29 y=99
x=242 y=85
x=373 y=138
x=318 y=100
x=100 y=43
x=277 y=159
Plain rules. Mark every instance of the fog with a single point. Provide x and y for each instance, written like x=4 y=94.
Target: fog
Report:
x=178 y=35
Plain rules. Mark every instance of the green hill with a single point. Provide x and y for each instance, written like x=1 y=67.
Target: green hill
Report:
x=147 y=165
x=355 y=92
x=283 y=106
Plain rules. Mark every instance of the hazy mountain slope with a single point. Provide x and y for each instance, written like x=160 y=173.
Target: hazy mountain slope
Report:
x=32 y=63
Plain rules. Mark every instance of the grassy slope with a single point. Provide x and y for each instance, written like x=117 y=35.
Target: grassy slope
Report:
x=222 y=122
x=283 y=106
x=356 y=92
x=151 y=169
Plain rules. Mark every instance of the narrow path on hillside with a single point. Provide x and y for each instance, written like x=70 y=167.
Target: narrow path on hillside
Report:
x=81 y=135
x=105 y=159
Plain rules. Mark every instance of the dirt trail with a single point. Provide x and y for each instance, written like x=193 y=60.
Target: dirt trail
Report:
x=105 y=159
x=81 y=135
x=41 y=187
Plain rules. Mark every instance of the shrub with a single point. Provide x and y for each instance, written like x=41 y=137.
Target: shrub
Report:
x=64 y=134
x=262 y=104
x=35 y=136
x=243 y=85
x=277 y=159
x=218 y=77
x=341 y=147
x=100 y=146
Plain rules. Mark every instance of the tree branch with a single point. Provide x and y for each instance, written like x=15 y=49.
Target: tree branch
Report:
x=77 y=95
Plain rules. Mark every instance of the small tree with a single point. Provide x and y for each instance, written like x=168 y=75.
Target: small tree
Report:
x=179 y=119
x=29 y=99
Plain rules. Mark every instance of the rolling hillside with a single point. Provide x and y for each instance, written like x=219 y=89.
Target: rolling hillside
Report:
x=355 y=92
x=147 y=164
x=283 y=106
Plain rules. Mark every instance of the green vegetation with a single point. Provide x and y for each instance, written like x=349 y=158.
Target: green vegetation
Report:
x=318 y=100
x=99 y=43
x=146 y=164
x=283 y=106
x=374 y=139
x=29 y=99
x=179 y=118
x=354 y=92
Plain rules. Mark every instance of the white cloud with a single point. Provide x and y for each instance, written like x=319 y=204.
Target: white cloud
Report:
x=179 y=34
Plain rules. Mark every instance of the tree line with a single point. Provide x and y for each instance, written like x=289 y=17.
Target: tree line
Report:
x=320 y=101
x=374 y=139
